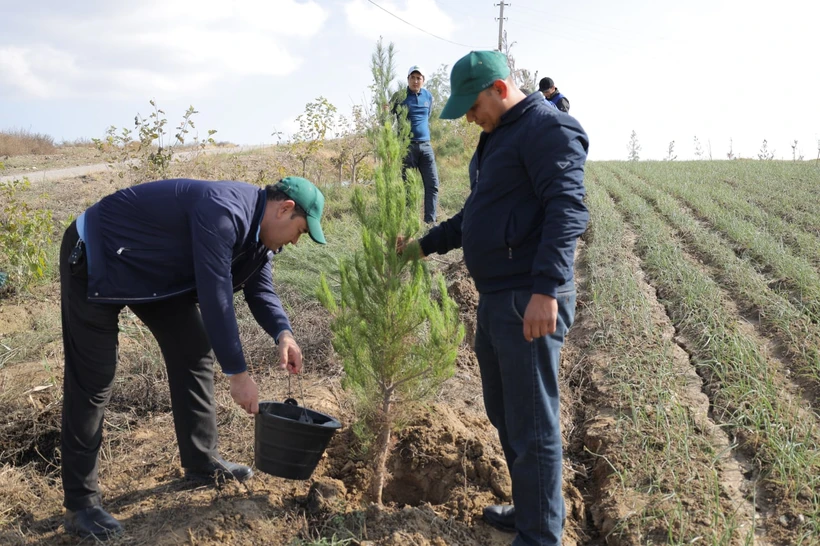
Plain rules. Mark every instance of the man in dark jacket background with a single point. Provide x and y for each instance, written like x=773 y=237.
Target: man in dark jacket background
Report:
x=551 y=93
x=519 y=229
x=161 y=248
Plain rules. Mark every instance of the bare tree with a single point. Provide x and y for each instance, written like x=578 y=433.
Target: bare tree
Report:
x=698 y=148
x=730 y=154
x=634 y=147
x=670 y=152
x=796 y=154
x=522 y=77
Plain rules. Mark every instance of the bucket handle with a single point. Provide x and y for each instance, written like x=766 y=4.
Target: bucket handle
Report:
x=304 y=418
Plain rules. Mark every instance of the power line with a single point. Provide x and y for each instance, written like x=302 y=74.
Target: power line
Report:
x=421 y=29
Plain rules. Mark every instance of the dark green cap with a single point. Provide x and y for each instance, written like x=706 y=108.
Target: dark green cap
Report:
x=471 y=75
x=307 y=196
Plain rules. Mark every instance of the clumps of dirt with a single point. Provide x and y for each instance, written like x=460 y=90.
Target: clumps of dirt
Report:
x=441 y=457
x=421 y=526
x=325 y=495
x=461 y=288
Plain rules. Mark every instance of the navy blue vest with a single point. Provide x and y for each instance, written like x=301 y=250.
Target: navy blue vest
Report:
x=556 y=99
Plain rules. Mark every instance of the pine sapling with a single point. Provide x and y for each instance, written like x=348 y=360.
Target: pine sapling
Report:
x=394 y=326
x=397 y=342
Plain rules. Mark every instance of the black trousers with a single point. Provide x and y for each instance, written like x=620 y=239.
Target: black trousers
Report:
x=90 y=341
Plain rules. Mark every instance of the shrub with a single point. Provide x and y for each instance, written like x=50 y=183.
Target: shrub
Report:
x=25 y=234
x=20 y=142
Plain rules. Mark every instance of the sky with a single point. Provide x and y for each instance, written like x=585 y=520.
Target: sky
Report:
x=719 y=70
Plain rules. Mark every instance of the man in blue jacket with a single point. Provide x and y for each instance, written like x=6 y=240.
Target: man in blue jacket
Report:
x=519 y=228
x=419 y=104
x=160 y=248
x=551 y=93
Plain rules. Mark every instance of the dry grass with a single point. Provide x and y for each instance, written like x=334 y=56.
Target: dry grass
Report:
x=23 y=142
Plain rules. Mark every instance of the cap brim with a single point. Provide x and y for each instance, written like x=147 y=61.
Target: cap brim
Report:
x=315 y=230
x=457 y=106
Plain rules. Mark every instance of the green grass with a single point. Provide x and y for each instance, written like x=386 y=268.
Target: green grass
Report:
x=662 y=448
x=794 y=276
x=800 y=336
x=747 y=394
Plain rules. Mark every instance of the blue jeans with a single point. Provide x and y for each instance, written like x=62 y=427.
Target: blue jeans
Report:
x=520 y=384
x=420 y=156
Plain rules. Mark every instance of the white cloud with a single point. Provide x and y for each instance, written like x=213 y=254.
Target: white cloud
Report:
x=371 y=22
x=16 y=66
x=157 y=45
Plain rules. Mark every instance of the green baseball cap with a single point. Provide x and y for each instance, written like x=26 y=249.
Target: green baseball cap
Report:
x=307 y=196
x=472 y=74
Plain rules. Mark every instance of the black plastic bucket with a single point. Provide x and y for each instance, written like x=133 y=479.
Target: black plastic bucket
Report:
x=290 y=440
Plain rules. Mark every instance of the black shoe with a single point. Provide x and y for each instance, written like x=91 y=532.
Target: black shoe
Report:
x=92 y=522
x=501 y=517
x=219 y=471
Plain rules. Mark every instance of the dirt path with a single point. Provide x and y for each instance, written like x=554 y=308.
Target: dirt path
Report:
x=51 y=175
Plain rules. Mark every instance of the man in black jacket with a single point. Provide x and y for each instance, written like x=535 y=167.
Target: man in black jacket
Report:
x=518 y=229
x=162 y=248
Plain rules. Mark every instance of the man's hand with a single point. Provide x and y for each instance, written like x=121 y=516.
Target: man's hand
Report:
x=540 y=316
x=244 y=392
x=290 y=355
x=408 y=245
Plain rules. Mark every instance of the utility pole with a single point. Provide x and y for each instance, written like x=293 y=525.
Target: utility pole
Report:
x=501 y=25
